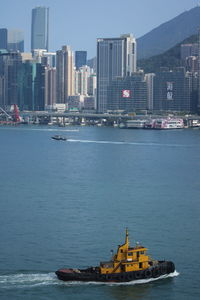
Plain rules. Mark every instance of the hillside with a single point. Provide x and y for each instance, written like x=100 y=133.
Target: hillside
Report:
x=170 y=58
x=169 y=34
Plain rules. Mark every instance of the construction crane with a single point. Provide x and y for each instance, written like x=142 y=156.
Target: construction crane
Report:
x=6 y=118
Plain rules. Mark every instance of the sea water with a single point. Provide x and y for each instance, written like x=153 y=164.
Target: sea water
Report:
x=67 y=204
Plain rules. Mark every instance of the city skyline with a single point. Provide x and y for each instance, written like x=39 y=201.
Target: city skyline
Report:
x=80 y=24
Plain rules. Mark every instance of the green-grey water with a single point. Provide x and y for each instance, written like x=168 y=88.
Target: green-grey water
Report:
x=67 y=203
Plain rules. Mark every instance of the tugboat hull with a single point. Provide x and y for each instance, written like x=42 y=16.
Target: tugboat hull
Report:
x=92 y=274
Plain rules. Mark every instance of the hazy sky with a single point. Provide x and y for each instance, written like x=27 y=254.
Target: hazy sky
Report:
x=79 y=22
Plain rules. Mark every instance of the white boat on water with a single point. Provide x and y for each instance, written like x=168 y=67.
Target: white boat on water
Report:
x=138 y=124
x=169 y=123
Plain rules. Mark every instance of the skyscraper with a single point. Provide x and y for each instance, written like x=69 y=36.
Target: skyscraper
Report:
x=3 y=38
x=10 y=64
x=40 y=28
x=11 y=40
x=80 y=59
x=64 y=74
x=15 y=40
x=116 y=57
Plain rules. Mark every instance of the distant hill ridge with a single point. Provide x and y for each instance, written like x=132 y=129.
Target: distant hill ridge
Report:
x=169 y=34
x=171 y=58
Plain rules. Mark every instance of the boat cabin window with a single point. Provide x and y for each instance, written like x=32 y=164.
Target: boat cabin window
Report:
x=140 y=265
x=121 y=250
x=138 y=254
x=130 y=254
x=141 y=252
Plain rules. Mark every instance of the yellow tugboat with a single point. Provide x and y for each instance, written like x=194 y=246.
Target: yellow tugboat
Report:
x=129 y=263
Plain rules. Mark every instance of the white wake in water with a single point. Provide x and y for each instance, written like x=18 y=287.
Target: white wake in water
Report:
x=126 y=143
x=26 y=280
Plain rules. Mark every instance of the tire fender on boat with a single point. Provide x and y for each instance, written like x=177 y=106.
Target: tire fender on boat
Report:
x=148 y=274
x=138 y=275
x=156 y=272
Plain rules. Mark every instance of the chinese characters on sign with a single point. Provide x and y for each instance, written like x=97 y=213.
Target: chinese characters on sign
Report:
x=169 y=90
x=126 y=93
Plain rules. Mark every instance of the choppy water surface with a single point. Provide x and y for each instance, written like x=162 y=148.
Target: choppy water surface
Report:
x=67 y=203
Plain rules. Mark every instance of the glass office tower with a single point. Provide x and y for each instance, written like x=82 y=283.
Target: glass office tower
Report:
x=116 y=57
x=3 y=38
x=40 y=28
x=80 y=59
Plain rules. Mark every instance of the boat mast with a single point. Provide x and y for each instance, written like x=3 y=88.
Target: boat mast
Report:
x=127 y=239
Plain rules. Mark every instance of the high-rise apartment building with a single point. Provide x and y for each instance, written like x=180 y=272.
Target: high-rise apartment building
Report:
x=80 y=59
x=64 y=74
x=40 y=28
x=81 y=80
x=116 y=57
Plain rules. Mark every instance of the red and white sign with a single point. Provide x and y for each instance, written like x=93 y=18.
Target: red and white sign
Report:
x=126 y=93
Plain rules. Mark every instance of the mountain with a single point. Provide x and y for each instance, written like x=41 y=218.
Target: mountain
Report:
x=170 y=58
x=169 y=34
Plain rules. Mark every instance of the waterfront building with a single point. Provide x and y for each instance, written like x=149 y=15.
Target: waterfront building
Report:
x=149 y=78
x=2 y=91
x=116 y=57
x=11 y=40
x=64 y=74
x=31 y=88
x=127 y=93
x=80 y=59
x=10 y=63
x=172 y=90
x=194 y=93
x=75 y=103
x=22 y=82
x=89 y=103
x=40 y=28
x=50 y=87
